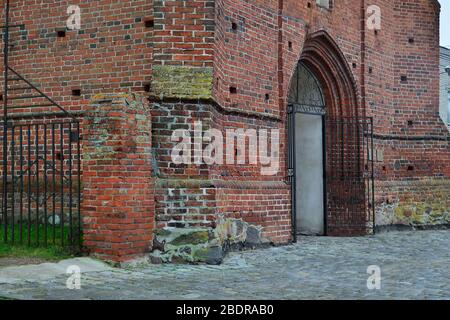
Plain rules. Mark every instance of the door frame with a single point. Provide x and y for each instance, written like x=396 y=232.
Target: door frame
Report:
x=293 y=110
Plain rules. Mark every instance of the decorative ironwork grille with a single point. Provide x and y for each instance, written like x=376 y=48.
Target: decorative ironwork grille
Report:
x=305 y=88
x=350 y=176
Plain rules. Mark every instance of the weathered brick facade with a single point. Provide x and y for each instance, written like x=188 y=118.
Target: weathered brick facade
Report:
x=118 y=204
x=229 y=64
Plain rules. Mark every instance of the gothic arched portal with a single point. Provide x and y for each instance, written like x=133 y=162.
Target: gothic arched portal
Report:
x=308 y=104
x=329 y=145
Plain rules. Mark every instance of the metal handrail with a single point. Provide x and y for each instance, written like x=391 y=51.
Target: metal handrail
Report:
x=43 y=94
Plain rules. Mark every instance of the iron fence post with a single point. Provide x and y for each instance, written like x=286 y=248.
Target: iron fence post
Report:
x=5 y=123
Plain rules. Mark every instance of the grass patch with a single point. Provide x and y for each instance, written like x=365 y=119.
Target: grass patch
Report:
x=6 y=299
x=49 y=253
x=36 y=248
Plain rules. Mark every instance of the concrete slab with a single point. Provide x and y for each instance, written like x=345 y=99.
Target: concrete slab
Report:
x=47 y=271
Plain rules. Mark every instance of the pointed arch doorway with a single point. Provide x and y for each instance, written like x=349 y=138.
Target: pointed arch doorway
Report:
x=330 y=145
x=308 y=104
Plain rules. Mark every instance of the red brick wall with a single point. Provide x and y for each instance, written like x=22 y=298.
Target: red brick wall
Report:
x=230 y=63
x=410 y=139
x=246 y=55
x=111 y=53
x=413 y=171
x=118 y=196
x=183 y=48
x=267 y=205
x=196 y=195
x=184 y=33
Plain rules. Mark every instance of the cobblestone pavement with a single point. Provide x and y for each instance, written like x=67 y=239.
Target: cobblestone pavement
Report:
x=414 y=265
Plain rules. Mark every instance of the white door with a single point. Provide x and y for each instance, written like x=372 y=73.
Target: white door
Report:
x=309 y=174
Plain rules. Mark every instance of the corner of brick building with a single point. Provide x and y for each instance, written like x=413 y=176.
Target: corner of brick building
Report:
x=228 y=64
x=118 y=196
x=202 y=211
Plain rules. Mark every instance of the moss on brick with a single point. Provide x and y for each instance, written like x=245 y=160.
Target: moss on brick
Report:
x=193 y=238
x=182 y=82
x=418 y=214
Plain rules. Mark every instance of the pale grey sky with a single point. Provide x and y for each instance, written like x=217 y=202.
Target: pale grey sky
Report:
x=445 y=23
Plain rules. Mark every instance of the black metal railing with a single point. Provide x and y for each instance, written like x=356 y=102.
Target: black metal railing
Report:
x=43 y=187
x=41 y=163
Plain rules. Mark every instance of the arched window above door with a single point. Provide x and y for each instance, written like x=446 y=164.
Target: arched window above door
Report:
x=305 y=89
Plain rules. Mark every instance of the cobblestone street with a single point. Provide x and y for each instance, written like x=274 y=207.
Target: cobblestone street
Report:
x=414 y=265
